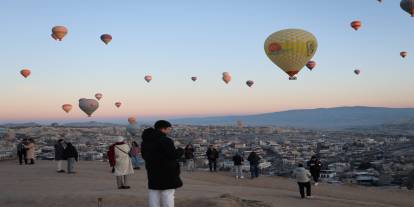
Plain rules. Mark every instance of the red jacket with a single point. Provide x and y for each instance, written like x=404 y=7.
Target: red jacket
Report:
x=111 y=153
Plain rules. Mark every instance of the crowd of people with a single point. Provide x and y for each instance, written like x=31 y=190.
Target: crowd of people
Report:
x=162 y=163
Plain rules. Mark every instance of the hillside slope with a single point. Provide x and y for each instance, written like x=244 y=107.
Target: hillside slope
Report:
x=40 y=186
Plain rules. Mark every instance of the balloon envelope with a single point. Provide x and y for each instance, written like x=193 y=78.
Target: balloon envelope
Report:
x=67 y=107
x=311 y=64
x=132 y=120
x=356 y=24
x=357 y=71
x=106 y=38
x=403 y=54
x=88 y=105
x=25 y=73
x=98 y=96
x=291 y=49
x=408 y=6
x=249 y=83
x=148 y=78
x=118 y=104
x=226 y=77
x=194 y=78
x=59 y=32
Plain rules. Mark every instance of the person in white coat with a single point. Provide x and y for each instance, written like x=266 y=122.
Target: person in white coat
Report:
x=123 y=165
x=303 y=177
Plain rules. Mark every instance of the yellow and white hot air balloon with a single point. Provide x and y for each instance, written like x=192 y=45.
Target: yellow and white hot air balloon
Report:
x=291 y=49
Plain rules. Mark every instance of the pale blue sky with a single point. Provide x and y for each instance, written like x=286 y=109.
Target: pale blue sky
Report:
x=174 y=40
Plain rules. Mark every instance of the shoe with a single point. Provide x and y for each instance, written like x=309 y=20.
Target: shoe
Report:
x=316 y=184
x=126 y=187
x=309 y=197
x=242 y=177
x=237 y=177
x=61 y=171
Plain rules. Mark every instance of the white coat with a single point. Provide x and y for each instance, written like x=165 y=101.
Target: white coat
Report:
x=123 y=165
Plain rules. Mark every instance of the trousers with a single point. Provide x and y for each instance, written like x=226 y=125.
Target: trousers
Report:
x=161 y=198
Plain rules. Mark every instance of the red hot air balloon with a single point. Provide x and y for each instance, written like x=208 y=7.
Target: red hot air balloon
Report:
x=25 y=73
x=106 y=38
x=226 y=77
x=67 y=107
x=118 y=104
x=194 y=78
x=148 y=78
x=311 y=64
x=403 y=54
x=59 y=32
x=249 y=83
x=88 y=105
x=357 y=71
x=98 y=96
x=356 y=25
x=132 y=120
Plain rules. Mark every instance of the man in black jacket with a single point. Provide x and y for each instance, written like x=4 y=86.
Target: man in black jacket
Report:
x=212 y=156
x=315 y=168
x=163 y=170
x=59 y=155
x=70 y=154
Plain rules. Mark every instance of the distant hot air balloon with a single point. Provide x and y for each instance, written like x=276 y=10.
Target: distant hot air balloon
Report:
x=403 y=54
x=194 y=78
x=357 y=71
x=118 y=104
x=106 y=38
x=132 y=120
x=356 y=25
x=67 y=107
x=291 y=49
x=311 y=64
x=59 y=32
x=98 y=96
x=249 y=83
x=226 y=77
x=380 y=1
x=408 y=6
x=25 y=73
x=88 y=105
x=148 y=78
x=54 y=37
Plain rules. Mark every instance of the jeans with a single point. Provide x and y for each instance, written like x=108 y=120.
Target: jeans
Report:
x=212 y=164
x=22 y=156
x=254 y=171
x=122 y=181
x=161 y=198
x=238 y=170
x=59 y=165
x=136 y=161
x=71 y=164
x=302 y=187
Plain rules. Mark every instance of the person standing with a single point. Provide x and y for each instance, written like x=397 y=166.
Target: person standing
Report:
x=315 y=166
x=21 y=152
x=71 y=154
x=59 y=155
x=303 y=177
x=135 y=155
x=212 y=156
x=161 y=162
x=189 y=157
x=30 y=150
x=238 y=165
x=254 y=161
x=120 y=161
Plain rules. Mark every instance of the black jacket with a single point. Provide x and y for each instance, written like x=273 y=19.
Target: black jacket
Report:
x=189 y=153
x=237 y=159
x=212 y=154
x=59 y=152
x=160 y=157
x=253 y=159
x=314 y=165
x=70 y=152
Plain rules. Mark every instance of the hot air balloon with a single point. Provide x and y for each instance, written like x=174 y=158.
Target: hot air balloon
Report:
x=148 y=78
x=249 y=83
x=59 y=32
x=25 y=73
x=54 y=37
x=357 y=71
x=88 y=105
x=408 y=6
x=403 y=54
x=106 y=38
x=194 y=79
x=226 y=77
x=356 y=25
x=98 y=96
x=118 y=104
x=291 y=49
x=67 y=107
x=311 y=64
x=132 y=120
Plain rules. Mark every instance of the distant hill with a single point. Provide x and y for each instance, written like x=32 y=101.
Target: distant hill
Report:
x=20 y=125
x=321 y=118
x=90 y=124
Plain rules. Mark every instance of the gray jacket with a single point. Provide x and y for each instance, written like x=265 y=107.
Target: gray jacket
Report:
x=302 y=175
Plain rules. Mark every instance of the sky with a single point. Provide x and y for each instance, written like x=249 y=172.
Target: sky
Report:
x=174 y=40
